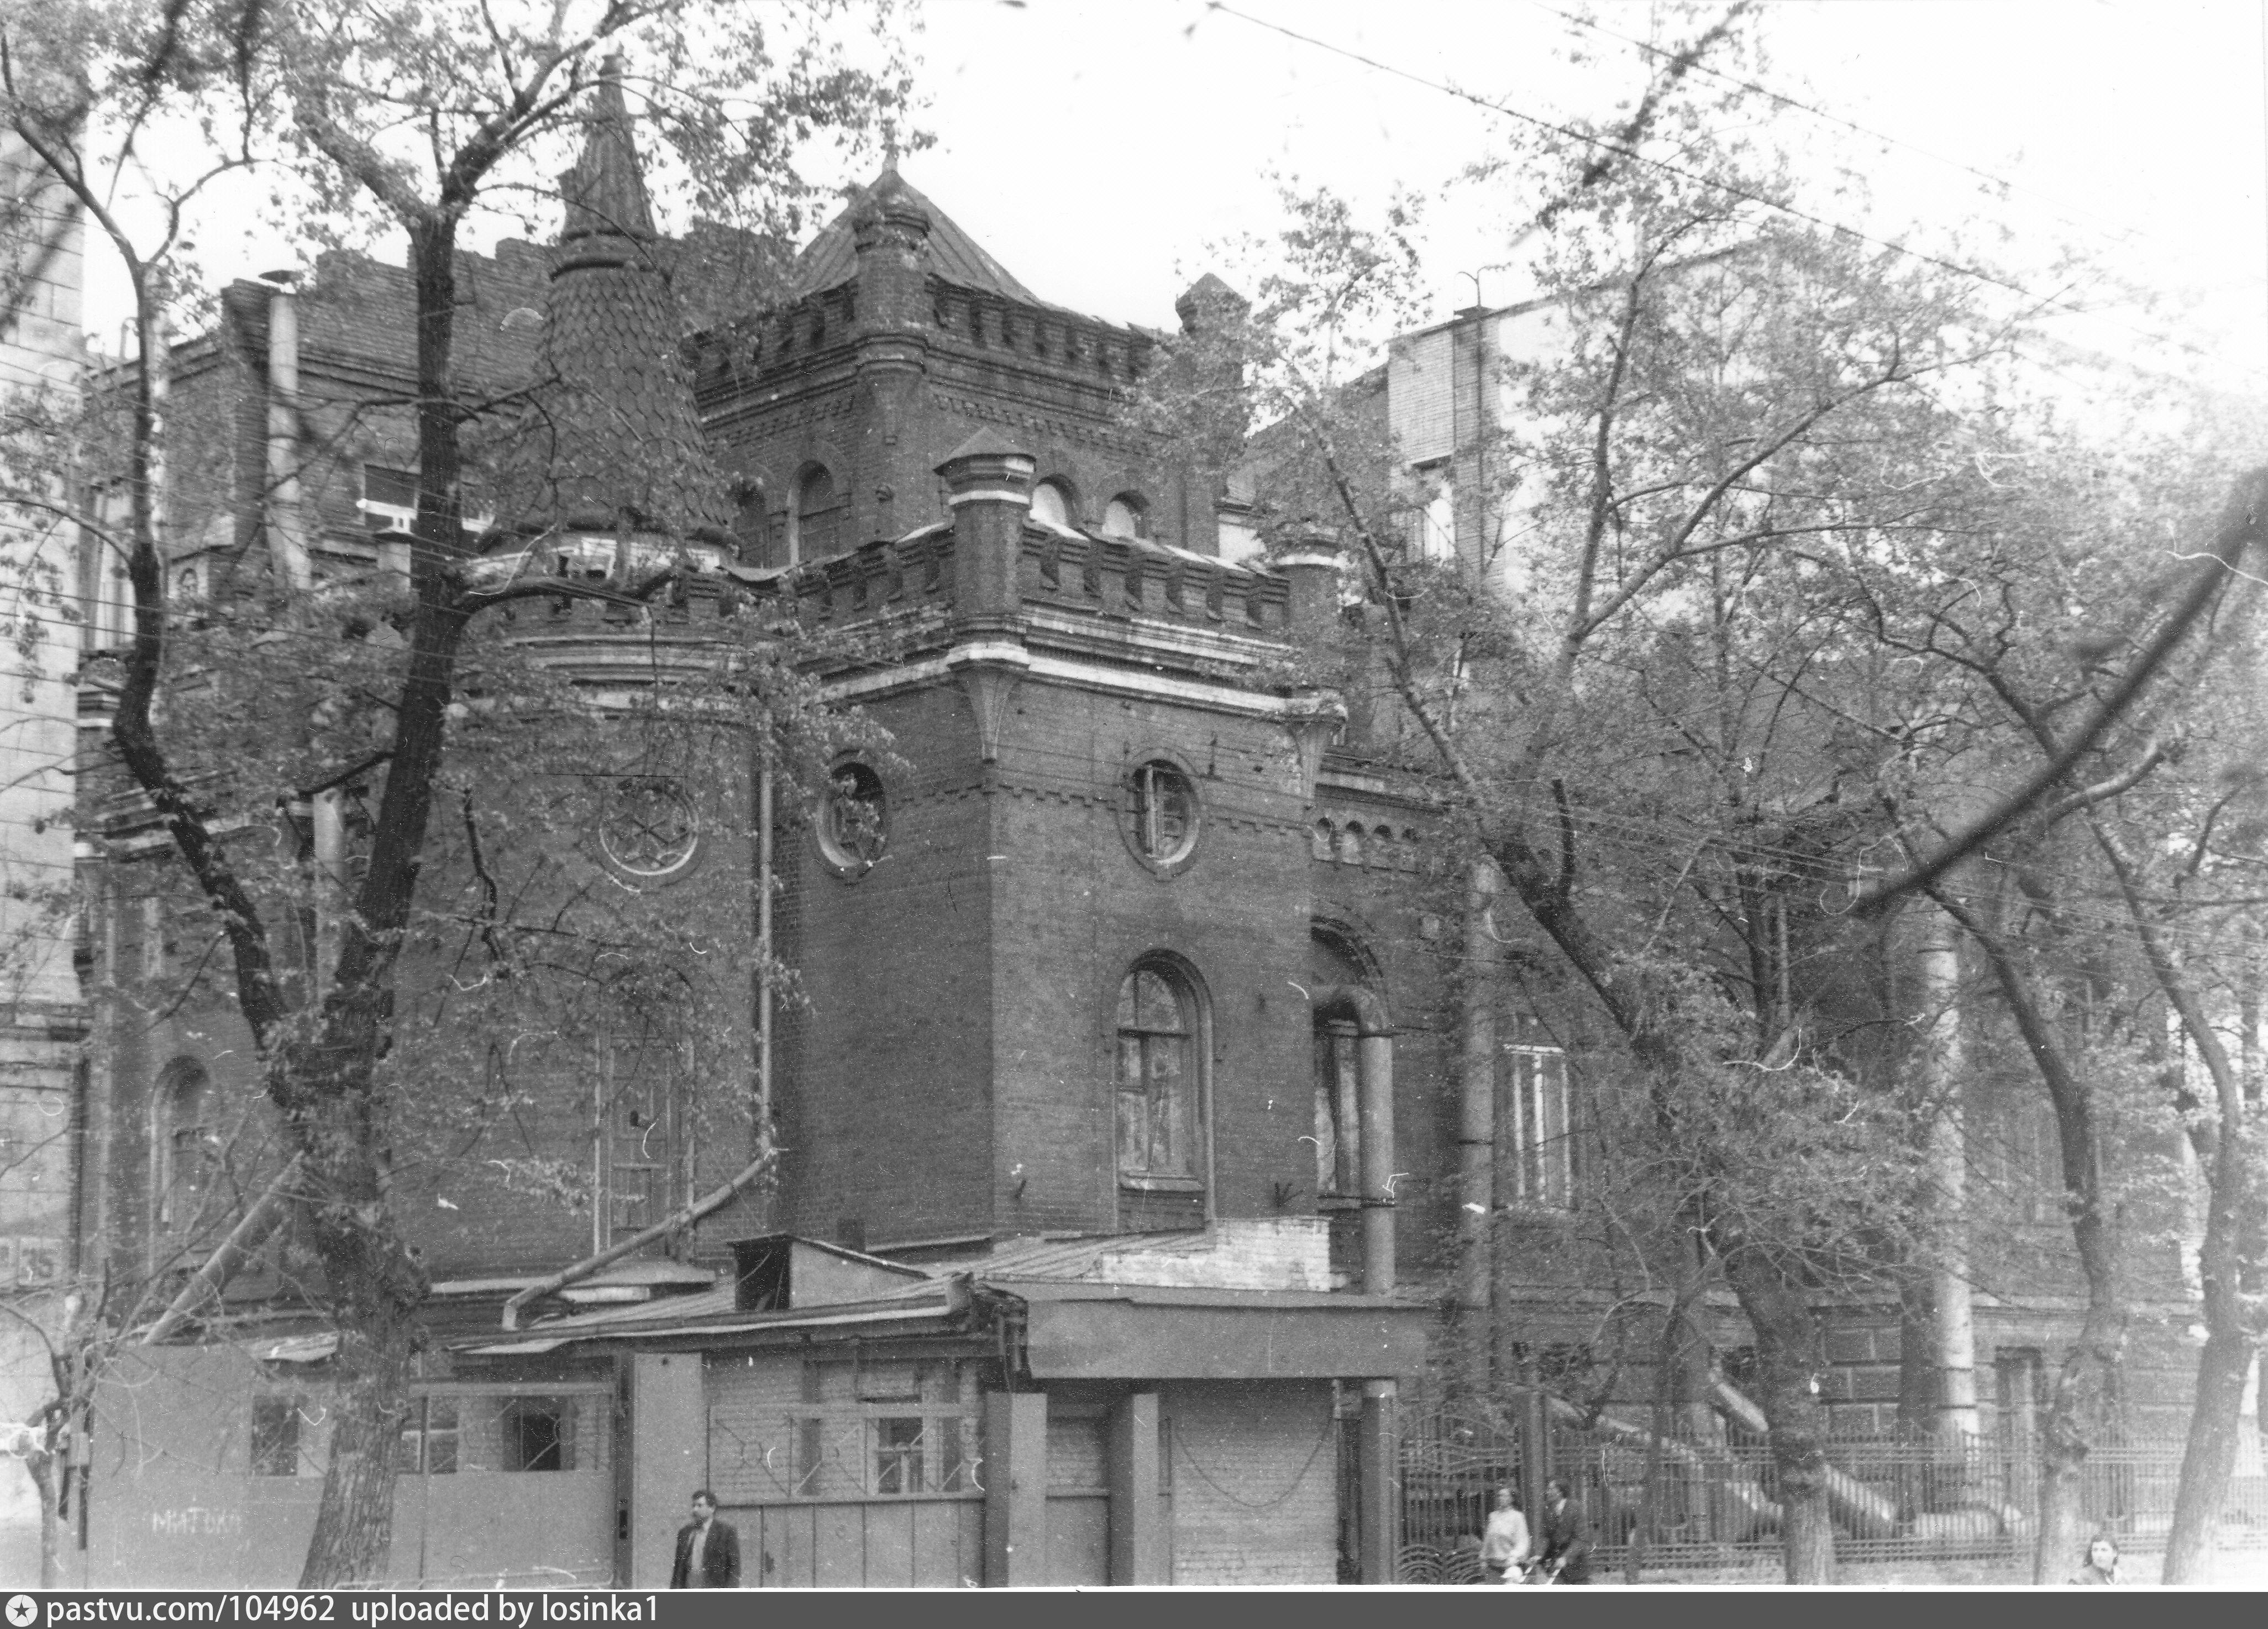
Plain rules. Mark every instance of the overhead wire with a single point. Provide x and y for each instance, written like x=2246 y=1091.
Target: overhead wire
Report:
x=2120 y=235
x=2042 y=303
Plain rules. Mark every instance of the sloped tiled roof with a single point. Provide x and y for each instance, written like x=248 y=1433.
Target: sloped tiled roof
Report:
x=831 y=259
x=616 y=434
x=605 y=192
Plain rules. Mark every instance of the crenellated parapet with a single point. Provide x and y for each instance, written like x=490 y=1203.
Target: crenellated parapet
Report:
x=1133 y=577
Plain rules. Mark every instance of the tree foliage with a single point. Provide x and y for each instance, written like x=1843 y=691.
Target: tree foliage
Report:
x=474 y=909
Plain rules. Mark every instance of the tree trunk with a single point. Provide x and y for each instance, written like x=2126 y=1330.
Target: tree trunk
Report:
x=2209 y=1458
x=1788 y=1356
x=1917 y=1364
x=2081 y=1386
x=353 y=1540
x=329 y=1092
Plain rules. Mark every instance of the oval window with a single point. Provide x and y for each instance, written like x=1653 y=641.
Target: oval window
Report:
x=854 y=818
x=1161 y=813
x=649 y=829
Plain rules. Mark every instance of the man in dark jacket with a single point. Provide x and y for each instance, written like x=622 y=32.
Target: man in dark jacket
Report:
x=1566 y=1553
x=708 y=1551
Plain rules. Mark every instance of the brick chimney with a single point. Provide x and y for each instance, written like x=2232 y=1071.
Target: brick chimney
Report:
x=988 y=481
x=1314 y=575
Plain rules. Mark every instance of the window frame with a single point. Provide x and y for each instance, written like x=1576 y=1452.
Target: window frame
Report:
x=285 y=1409
x=844 y=861
x=1544 y=1170
x=834 y=515
x=1137 y=819
x=1193 y=1075
x=183 y=1079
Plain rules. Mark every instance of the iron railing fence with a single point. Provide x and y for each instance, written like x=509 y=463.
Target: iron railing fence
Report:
x=1715 y=1505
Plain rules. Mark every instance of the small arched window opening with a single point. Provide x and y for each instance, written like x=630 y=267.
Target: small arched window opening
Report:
x=185 y=1143
x=1051 y=503
x=1336 y=962
x=1122 y=517
x=854 y=818
x=815 y=521
x=1157 y=1076
x=1435 y=527
x=1351 y=845
x=1319 y=841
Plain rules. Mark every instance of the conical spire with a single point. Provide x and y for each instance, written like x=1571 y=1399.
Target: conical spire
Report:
x=606 y=190
x=615 y=439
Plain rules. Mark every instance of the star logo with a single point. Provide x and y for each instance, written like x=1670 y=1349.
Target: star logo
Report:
x=22 y=1610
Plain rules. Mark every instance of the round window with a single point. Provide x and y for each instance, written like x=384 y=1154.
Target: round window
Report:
x=854 y=818
x=649 y=829
x=1161 y=814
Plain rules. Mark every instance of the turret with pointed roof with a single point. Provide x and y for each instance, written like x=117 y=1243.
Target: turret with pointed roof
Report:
x=616 y=440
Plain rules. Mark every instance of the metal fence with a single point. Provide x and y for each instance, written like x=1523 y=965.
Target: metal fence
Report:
x=1715 y=1505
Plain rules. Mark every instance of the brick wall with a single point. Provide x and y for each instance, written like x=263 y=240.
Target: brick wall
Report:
x=1254 y=1482
x=884 y=1090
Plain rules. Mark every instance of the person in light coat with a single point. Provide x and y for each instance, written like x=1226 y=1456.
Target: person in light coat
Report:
x=1505 y=1544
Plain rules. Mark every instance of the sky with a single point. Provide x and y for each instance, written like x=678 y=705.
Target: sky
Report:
x=1099 y=148
x=1105 y=149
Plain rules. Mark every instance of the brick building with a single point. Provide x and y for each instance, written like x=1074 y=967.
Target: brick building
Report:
x=1049 y=1190
x=1119 y=1131
x=42 y=1017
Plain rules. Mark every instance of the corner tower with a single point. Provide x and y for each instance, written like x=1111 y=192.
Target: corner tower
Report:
x=899 y=338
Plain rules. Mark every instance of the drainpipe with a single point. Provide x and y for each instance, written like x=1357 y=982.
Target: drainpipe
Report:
x=1477 y=1127
x=266 y=1215
x=685 y=1218
x=1375 y=1049
x=287 y=535
x=764 y=862
x=1954 y=1330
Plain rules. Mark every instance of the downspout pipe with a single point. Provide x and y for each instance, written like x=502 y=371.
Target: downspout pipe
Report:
x=765 y=863
x=714 y=1200
x=266 y=1215
x=1374 y=1049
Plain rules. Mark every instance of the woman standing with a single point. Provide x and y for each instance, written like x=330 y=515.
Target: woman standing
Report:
x=2102 y=1563
x=1504 y=1541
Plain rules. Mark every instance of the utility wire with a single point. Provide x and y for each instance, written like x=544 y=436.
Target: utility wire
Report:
x=2120 y=235
x=1746 y=195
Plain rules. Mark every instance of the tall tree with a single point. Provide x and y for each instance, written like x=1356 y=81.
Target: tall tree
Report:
x=413 y=121
x=1643 y=678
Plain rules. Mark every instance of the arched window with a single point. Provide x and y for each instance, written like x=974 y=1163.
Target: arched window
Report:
x=1051 y=502
x=854 y=818
x=1157 y=1075
x=181 y=1113
x=1122 y=517
x=1319 y=841
x=815 y=521
x=1350 y=845
x=1336 y=962
x=1435 y=525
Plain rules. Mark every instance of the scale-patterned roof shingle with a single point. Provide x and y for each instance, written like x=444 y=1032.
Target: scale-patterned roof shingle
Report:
x=616 y=437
